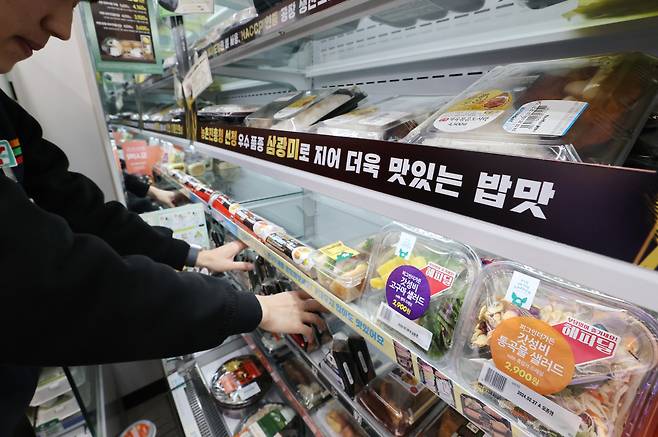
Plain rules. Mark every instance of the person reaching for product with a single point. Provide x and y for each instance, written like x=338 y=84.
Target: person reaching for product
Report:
x=88 y=282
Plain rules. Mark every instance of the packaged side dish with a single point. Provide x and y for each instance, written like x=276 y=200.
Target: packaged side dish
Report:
x=315 y=106
x=398 y=401
x=587 y=109
x=341 y=270
x=589 y=359
x=418 y=279
x=264 y=117
x=229 y=114
x=308 y=389
x=391 y=119
x=270 y=420
x=334 y=420
x=240 y=382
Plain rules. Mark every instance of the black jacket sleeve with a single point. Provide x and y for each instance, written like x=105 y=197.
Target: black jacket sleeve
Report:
x=69 y=298
x=80 y=202
x=135 y=185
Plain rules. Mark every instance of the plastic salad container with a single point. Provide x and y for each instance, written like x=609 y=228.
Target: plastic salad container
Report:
x=315 y=106
x=391 y=119
x=341 y=270
x=397 y=401
x=230 y=114
x=240 y=382
x=408 y=263
x=264 y=117
x=588 y=109
x=588 y=358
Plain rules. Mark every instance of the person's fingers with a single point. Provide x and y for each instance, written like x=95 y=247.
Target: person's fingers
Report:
x=307 y=332
x=313 y=305
x=302 y=294
x=235 y=247
x=242 y=266
x=314 y=319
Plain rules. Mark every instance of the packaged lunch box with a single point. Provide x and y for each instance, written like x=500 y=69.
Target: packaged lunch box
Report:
x=421 y=277
x=588 y=360
x=240 y=382
x=264 y=117
x=588 y=109
x=390 y=120
x=341 y=270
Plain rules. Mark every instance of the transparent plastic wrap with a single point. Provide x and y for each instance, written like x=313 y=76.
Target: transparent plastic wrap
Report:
x=269 y=420
x=341 y=270
x=390 y=120
x=264 y=117
x=592 y=356
x=588 y=109
x=420 y=277
x=240 y=382
x=397 y=401
x=315 y=106
x=308 y=389
x=334 y=420
x=229 y=114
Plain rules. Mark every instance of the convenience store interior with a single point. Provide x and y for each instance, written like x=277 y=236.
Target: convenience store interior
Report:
x=468 y=187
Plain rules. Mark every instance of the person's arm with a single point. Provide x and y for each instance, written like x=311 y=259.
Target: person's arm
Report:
x=135 y=185
x=139 y=188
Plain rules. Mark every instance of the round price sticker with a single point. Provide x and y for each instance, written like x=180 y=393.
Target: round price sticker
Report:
x=408 y=292
x=533 y=353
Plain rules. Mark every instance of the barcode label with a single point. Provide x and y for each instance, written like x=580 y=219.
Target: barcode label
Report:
x=545 y=117
x=534 y=116
x=496 y=380
x=551 y=414
x=413 y=331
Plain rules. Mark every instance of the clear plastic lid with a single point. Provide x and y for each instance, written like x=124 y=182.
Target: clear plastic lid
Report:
x=445 y=269
x=594 y=356
x=397 y=400
x=341 y=269
x=587 y=109
x=264 y=117
x=389 y=119
x=314 y=106
x=240 y=381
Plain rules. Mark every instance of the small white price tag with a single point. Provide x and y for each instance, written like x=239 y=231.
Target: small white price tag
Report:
x=547 y=411
x=198 y=78
x=185 y=7
x=413 y=331
x=249 y=391
x=521 y=290
x=405 y=245
x=545 y=117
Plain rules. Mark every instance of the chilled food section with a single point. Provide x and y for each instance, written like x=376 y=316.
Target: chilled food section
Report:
x=512 y=349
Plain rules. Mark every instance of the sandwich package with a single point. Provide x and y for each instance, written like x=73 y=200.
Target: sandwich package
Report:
x=398 y=401
x=390 y=120
x=341 y=270
x=314 y=106
x=587 y=109
x=584 y=363
x=240 y=382
x=227 y=114
x=334 y=420
x=418 y=279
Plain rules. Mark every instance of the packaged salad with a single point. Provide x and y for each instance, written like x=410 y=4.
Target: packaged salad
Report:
x=398 y=401
x=417 y=279
x=588 y=360
x=315 y=106
x=390 y=120
x=341 y=270
x=588 y=109
x=264 y=117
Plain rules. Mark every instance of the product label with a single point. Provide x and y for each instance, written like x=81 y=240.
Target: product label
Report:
x=439 y=278
x=264 y=229
x=269 y=425
x=295 y=107
x=7 y=157
x=405 y=245
x=338 y=251
x=545 y=117
x=474 y=112
x=408 y=292
x=533 y=353
x=588 y=342
x=547 y=411
x=413 y=331
x=408 y=382
x=521 y=290
x=198 y=78
x=248 y=391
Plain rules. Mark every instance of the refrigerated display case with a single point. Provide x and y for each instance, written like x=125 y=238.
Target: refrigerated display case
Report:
x=526 y=167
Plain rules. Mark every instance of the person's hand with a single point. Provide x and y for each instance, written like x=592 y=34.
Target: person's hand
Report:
x=292 y=312
x=167 y=198
x=222 y=258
